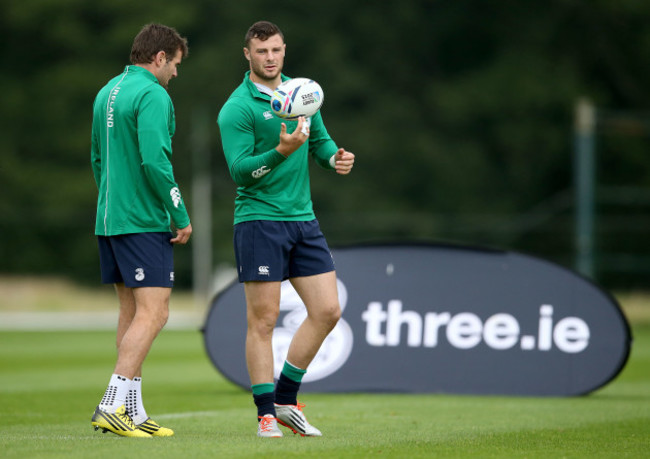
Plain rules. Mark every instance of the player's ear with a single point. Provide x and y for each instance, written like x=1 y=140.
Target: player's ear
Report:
x=161 y=58
x=247 y=54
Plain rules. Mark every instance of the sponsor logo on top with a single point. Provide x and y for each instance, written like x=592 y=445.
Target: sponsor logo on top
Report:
x=261 y=172
x=175 y=193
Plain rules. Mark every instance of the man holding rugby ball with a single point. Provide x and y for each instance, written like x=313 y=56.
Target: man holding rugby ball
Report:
x=276 y=234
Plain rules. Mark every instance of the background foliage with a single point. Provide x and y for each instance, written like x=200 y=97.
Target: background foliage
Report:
x=460 y=114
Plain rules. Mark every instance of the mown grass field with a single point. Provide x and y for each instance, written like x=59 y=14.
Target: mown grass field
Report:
x=50 y=383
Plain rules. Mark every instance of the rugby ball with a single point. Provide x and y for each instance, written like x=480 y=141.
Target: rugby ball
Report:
x=297 y=97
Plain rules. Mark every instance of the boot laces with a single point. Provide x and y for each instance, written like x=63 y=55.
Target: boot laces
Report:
x=266 y=423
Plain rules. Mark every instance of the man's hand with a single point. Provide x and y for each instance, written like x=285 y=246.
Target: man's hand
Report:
x=343 y=161
x=291 y=142
x=182 y=235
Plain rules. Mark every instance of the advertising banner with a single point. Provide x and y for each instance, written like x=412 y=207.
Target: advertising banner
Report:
x=443 y=319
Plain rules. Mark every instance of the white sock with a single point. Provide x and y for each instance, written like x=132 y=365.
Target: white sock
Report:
x=115 y=395
x=134 y=404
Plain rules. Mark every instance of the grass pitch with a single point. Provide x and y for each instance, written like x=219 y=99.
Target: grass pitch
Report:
x=50 y=382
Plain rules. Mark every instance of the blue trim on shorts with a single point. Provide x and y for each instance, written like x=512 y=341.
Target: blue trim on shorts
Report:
x=268 y=250
x=137 y=260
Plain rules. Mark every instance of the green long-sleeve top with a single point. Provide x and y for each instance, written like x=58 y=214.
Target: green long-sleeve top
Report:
x=270 y=186
x=133 y=125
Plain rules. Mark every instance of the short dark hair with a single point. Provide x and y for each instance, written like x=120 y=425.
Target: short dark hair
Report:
x=154 y=38
x=262 y=30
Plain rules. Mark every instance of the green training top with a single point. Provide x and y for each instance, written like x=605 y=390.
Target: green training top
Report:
x=271 y=187
x=133 y=125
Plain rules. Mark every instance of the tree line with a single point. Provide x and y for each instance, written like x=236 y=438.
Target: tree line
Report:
x=460 y=113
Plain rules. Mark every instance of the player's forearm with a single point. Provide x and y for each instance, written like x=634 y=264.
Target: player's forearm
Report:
x=249 y=170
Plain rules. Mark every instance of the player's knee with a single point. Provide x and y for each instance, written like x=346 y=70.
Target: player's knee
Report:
x=330 y=315
x=335 y=315
x=163 y=317
x=263 y=324
x=158 y=317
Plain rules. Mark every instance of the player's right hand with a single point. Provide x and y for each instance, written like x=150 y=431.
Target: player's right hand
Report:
x=291 y=142
x=182 y=235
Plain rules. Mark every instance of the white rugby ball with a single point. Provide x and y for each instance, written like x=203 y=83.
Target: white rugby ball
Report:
x=297 y=97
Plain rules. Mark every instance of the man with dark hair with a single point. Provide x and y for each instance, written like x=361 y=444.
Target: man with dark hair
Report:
x=154 y=38
x=138 y=202
x=276 y=234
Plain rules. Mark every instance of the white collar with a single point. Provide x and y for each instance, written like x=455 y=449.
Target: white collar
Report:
x=264 y=89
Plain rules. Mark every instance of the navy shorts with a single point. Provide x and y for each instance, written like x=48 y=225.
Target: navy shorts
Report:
x=137 y=260
x=277 y=250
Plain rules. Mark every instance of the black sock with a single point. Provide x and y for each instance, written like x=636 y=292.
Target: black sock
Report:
x=264 y=403
x=286 y=391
